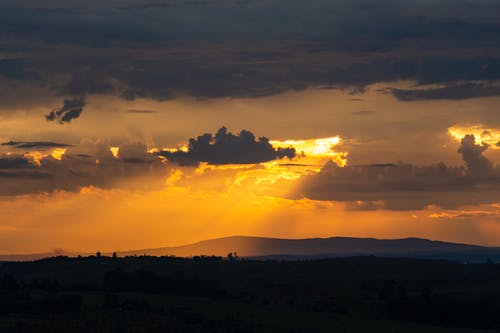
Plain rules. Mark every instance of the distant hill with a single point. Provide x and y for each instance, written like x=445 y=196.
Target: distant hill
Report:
x=290 y=249
x=274 y=248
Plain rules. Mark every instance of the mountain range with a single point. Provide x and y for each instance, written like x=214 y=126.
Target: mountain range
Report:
x=312 y=248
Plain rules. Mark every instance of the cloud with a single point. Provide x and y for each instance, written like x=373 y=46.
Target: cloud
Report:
x=24 y=175
x=227 y=148
x=15 y=167
x=253 y=48
x=472 y=154
x=15 y=162
x=453 y=91
x=135 y=152
x=139 y=111
x=403 y=186
x=71 y=109
x=131 y=165
x=81 y=86
x=90 y=163
x=394 y=186
x=35 y=144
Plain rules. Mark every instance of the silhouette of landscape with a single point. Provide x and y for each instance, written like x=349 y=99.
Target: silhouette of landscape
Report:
x=320 y=248
x=274 y=285
x=264 y=248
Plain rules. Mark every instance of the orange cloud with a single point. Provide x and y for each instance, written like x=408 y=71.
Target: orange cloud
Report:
x=320 y=148
x=482 y=134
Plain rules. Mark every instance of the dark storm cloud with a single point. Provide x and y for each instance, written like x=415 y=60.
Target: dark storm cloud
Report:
x=16 y=69
x=35 y=144
x=406 y=187
x=72 y=22
x=80 y=86
x=376 y=24
x=162 y=49
x=71 y=109
x=227 y=148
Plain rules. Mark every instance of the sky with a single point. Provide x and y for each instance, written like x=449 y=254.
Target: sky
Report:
x=132 y=124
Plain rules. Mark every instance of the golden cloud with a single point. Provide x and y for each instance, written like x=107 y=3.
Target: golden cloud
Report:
x=482 y=134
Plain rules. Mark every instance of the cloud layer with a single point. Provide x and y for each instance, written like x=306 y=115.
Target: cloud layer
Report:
x=252 y=48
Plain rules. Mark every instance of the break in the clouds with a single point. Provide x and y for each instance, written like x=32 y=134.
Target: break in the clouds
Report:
x=71 y=109
x=227 y=148
x=404 y=186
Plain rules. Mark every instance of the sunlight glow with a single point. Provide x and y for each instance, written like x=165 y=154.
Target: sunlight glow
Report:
x=115 y=151
x=316 y=148
x=311 y=147
x=183 y=148
x=36 y=156
x=57 y=153
x=482 y=134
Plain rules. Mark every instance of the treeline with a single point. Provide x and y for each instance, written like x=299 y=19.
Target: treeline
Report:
x=431 y=292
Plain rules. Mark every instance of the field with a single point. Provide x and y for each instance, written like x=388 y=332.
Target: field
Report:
x=213 y=294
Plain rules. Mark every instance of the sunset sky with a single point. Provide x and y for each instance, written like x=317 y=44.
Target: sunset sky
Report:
x=130 y=124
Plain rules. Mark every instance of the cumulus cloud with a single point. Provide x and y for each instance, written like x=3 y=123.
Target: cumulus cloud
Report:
x=395 y=186
x=130 y=164
x=405 y=186
x=135 y=152
x=91 y=163
x=71 y=109
x=227 y=148
x=477 y=164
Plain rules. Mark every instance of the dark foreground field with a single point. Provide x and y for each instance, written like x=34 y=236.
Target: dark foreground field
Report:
x=208 y=294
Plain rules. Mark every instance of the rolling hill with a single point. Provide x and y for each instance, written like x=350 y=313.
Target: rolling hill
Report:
x=290 y=249
x=274 y=248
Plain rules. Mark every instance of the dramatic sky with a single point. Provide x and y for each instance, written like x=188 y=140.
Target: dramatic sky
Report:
x=130 y=124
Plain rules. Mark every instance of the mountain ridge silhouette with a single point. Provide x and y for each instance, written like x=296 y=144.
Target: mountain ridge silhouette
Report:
x=282 y=248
